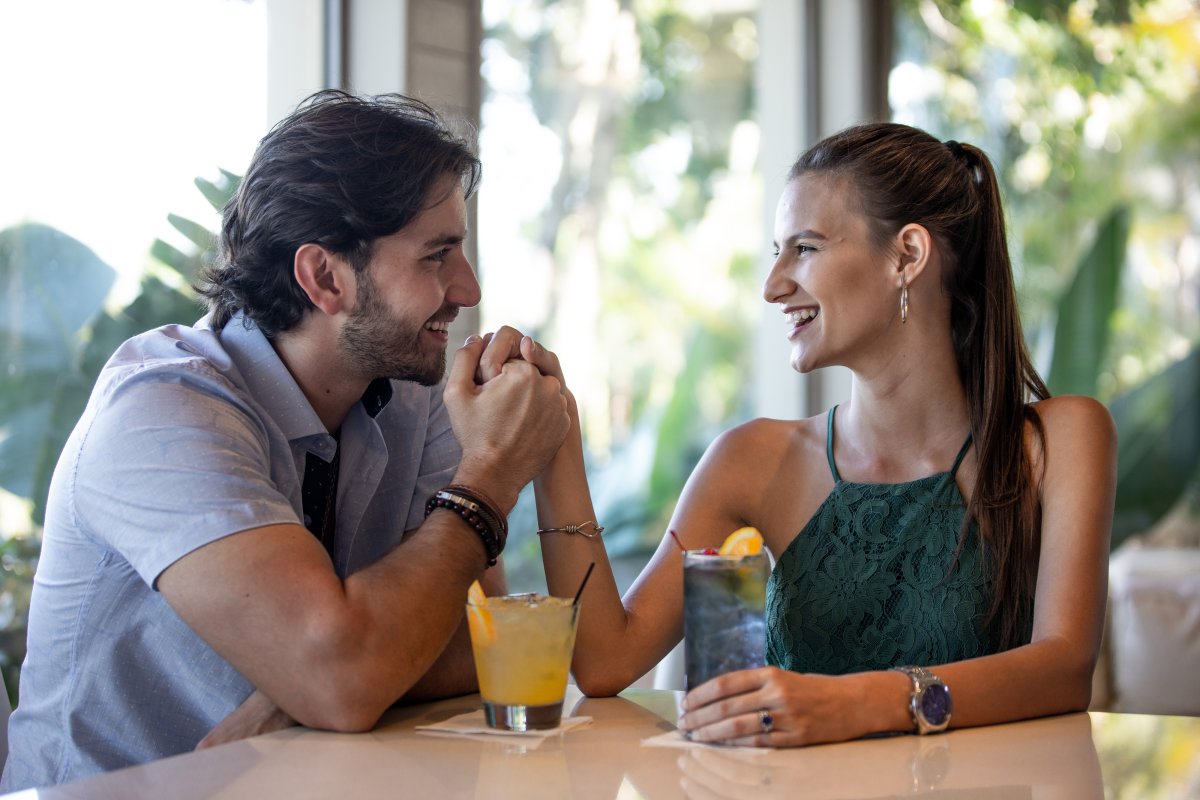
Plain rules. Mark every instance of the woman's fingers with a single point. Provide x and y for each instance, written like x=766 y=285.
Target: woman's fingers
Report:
x=508 y=344
x=730 y=684
x=726 y=706
x=502 y=346
x=760 y=708
x=741 y=727
x=545 y=360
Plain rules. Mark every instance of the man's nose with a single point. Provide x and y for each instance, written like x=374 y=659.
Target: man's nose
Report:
x=463 y=290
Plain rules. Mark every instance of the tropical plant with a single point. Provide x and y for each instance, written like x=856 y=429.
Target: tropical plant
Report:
x=1158 y=420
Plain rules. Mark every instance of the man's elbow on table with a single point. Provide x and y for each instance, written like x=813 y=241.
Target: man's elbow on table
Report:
x=345 y=687
x=341 y=715
x=338 y=701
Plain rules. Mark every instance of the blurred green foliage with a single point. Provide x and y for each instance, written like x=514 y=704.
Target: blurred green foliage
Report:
x=1137 y=766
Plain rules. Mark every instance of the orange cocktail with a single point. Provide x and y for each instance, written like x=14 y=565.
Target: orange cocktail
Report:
x=523 y=646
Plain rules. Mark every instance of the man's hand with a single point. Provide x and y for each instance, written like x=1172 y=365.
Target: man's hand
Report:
x=511 y=425
x=256 y=715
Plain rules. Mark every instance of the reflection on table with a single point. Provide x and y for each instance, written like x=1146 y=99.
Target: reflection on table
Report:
x=1073 y=756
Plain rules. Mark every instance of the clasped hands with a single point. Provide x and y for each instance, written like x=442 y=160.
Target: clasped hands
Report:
x=509 y=408
x=508 y=400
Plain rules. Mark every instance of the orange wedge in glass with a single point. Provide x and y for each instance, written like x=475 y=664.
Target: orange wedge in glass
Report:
x=478 y=617
x=742 y=542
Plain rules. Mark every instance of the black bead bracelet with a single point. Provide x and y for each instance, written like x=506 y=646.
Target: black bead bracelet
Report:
x=477 y=512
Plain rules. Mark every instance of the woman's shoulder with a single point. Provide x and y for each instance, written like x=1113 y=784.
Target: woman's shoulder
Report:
x=1072 y=415
x=768 y=473
x=1073 y=428
x=760 y=437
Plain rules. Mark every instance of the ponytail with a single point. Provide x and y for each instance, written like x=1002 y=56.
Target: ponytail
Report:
x=999 y=379
x=904 y=175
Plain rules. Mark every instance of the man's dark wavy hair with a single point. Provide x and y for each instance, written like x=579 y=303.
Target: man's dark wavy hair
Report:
x=341 y=171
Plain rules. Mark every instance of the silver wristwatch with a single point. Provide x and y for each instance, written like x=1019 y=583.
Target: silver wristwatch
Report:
x=929 y=704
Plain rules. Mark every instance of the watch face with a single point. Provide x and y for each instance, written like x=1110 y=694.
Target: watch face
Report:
x=935 y=704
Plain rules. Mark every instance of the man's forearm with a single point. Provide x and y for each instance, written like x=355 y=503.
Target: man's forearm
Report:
x=369 y=641
x=451 y=675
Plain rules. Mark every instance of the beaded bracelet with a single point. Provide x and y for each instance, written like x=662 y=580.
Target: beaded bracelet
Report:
x=476 y=511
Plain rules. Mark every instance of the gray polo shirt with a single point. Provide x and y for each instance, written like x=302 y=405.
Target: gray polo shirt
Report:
x=189 y=436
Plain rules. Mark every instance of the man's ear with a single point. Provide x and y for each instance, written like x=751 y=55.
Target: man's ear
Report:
x=914 y=246
x=325 y=277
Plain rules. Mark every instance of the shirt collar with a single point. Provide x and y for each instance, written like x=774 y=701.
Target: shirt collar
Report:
x=270 y=383
x=377 y=396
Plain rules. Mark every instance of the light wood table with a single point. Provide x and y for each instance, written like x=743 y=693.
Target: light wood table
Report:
x=1074 y=756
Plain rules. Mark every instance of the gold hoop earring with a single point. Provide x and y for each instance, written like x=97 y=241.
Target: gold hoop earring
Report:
x=903 y=300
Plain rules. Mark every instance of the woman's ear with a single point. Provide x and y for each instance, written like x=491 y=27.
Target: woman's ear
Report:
x=325 y=277
x=915 y=248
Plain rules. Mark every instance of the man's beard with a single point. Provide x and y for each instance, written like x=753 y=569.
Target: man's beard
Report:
x=380 y=345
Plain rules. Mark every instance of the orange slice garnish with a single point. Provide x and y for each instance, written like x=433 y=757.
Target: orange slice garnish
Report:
x=475 y=594
x=479 y=619
x=742 y=542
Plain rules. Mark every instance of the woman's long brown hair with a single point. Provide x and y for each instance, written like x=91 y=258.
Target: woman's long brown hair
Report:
x=903 y=175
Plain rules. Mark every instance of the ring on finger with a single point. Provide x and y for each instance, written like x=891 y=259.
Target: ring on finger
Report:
x=766 y=721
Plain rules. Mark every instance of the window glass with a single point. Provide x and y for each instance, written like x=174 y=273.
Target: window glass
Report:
x=112 y=111
x=619 y=222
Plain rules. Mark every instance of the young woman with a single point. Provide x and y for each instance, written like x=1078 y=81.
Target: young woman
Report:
x=951 y=515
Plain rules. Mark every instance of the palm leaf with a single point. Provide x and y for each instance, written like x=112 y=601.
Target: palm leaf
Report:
x=1158 y=445
x=1082 y=330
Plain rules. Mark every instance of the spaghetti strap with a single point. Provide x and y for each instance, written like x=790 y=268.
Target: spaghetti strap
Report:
x=829 y=447
x=961 y=454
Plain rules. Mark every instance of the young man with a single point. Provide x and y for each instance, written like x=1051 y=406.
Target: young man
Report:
x=243 y=505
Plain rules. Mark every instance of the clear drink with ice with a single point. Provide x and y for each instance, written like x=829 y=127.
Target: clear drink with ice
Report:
x=724 y=619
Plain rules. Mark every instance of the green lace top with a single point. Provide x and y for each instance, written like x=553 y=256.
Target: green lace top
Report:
x=871 y=581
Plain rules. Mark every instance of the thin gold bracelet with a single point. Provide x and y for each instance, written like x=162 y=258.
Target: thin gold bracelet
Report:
x=596 y=529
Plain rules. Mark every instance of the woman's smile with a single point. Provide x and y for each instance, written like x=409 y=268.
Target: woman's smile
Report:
x=800 y=318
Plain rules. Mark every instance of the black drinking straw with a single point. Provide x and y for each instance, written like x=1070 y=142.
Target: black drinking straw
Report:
x=586 y=575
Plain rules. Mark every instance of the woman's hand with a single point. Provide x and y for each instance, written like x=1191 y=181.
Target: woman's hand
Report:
x=508 y=344
x=801 y=709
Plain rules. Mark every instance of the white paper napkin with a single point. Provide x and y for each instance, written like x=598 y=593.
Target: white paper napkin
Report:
x=474 y=724
x=677 y=739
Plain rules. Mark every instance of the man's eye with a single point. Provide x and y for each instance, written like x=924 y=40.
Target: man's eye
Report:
x=440 y=255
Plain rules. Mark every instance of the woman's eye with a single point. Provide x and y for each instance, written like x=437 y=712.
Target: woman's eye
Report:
x=801 y=249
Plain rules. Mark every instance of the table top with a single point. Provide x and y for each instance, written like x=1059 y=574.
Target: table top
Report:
x=1073 y=756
